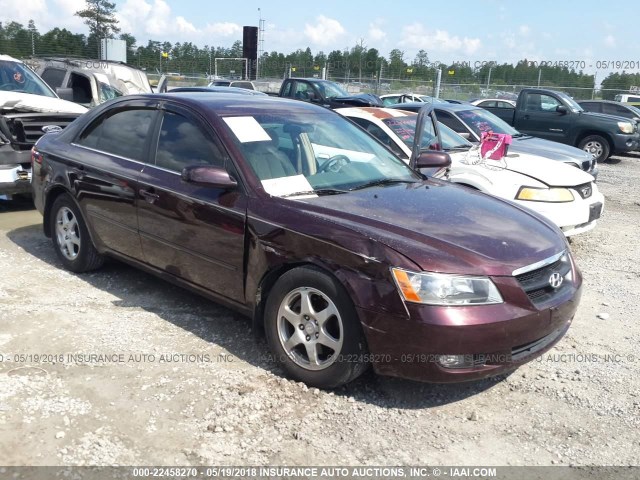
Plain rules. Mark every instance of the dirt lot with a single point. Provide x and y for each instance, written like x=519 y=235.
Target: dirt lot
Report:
x=185 y=382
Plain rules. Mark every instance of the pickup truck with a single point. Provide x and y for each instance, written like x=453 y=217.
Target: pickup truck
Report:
x=28 y=110
x=326 y=93
x=555 y=116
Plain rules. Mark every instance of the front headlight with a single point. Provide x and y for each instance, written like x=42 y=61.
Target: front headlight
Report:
x=625 y=127
x=535 y=194
x=443 y=289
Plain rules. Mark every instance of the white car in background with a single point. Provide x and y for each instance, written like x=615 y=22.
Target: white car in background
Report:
x=394 y=98
x=564 y=194
x=494 y=103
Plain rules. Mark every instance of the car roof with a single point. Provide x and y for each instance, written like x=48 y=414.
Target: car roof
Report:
x=220 y=89
x=452 y=107
x=9 y=58
x=374 y=112
x=603 y=101
x=223 y=103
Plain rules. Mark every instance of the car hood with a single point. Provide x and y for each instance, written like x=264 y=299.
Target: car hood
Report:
x=27 y=102
x=606 y=116
x=361 y=99
x=548 y=149
x=441 y=227
x=552 y=173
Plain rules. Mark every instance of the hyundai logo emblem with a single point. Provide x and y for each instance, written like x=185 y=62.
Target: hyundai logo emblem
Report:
x=51 y=129
x=555 y=280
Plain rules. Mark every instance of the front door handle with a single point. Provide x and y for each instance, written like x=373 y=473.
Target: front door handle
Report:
x=526 y=117
x=148 y=195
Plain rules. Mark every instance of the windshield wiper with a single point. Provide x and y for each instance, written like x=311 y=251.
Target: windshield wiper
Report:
x=320 y=191
x=383 y=181
x=458 y=147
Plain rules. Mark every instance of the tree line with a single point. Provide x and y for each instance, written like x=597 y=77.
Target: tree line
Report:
x=358 y=63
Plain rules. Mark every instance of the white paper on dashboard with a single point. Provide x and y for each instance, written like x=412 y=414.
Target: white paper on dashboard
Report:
x=247 y=129
x=287 y=185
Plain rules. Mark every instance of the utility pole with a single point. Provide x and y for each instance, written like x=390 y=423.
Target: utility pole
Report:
x=488 y=80
x=360 y=63
x=261 y=22
x=436 y=94
x=539 y=77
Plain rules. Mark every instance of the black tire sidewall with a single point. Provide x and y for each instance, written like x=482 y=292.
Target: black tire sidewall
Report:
x=82 y=260
x=606 y=149
x=350 y=363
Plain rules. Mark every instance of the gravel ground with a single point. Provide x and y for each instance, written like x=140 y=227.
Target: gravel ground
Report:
x=186 y=384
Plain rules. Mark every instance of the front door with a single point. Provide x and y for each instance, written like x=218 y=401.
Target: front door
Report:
x=193 y=232
x=541 y=119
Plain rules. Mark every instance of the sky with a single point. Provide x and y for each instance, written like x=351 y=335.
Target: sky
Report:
x=492 y=30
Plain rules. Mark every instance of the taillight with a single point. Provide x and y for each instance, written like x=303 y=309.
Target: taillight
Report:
x=36 y=156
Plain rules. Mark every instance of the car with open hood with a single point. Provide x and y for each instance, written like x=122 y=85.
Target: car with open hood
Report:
x=294 y=216
x=28 y=109
x=565 y=195
x=90 y=82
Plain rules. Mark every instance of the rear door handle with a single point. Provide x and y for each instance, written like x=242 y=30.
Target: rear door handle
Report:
x=148 y=195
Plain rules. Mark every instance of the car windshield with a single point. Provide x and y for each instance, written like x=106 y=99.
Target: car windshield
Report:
x=107 y=92
x=573 y=105
x=314 y=153
x=331 y=90
x=405 y=128
x=17 y=77
x=480 y=120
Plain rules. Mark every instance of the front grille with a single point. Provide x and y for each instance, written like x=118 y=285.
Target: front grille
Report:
x=585 y=190
x=24 y=129
x=537 y=283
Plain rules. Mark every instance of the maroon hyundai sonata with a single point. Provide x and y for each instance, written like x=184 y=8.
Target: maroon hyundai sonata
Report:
x=287 y=212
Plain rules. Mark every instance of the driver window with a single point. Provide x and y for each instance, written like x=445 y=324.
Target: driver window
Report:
x=304 y=91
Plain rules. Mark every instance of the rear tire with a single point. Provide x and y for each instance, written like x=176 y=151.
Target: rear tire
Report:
x=597 y=146
x=313 y=329
x=70 y=237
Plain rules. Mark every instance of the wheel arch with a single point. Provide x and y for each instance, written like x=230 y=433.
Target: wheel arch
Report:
x=52 y=194
x=271 y=276
x=586 y=133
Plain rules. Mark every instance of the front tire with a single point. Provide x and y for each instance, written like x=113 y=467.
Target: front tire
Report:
x=597 y=146
x=313 y=329
x=70 y=237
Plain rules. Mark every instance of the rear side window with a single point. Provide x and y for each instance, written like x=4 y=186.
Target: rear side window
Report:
x=53 y=77
x=619 y=110
x=123 y=133
x=182 y=143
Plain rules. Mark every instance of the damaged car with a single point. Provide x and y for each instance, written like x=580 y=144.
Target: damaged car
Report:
x=341 y=253
x=90 y=82
x=28 y=109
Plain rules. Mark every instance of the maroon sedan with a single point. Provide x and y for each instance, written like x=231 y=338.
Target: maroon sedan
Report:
x=294 y=216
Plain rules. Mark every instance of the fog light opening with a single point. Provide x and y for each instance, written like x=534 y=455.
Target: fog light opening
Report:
x=456 y=361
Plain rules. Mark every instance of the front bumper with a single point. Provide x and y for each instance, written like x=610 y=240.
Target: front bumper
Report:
x=578 y=216
x=498 y=337
x=15 y=179
x=623 y=142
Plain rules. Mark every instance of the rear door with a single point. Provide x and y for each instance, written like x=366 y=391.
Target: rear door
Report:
x=190 y=231
x=105 y=162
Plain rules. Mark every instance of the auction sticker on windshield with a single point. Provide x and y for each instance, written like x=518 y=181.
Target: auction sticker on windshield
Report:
x=279 y=187
x=247 y=129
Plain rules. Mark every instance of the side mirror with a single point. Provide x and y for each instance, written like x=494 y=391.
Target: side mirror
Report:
x=65 y=93
x=561 y=109
x=209 y=177
x=433 y=160
x=465 y=135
